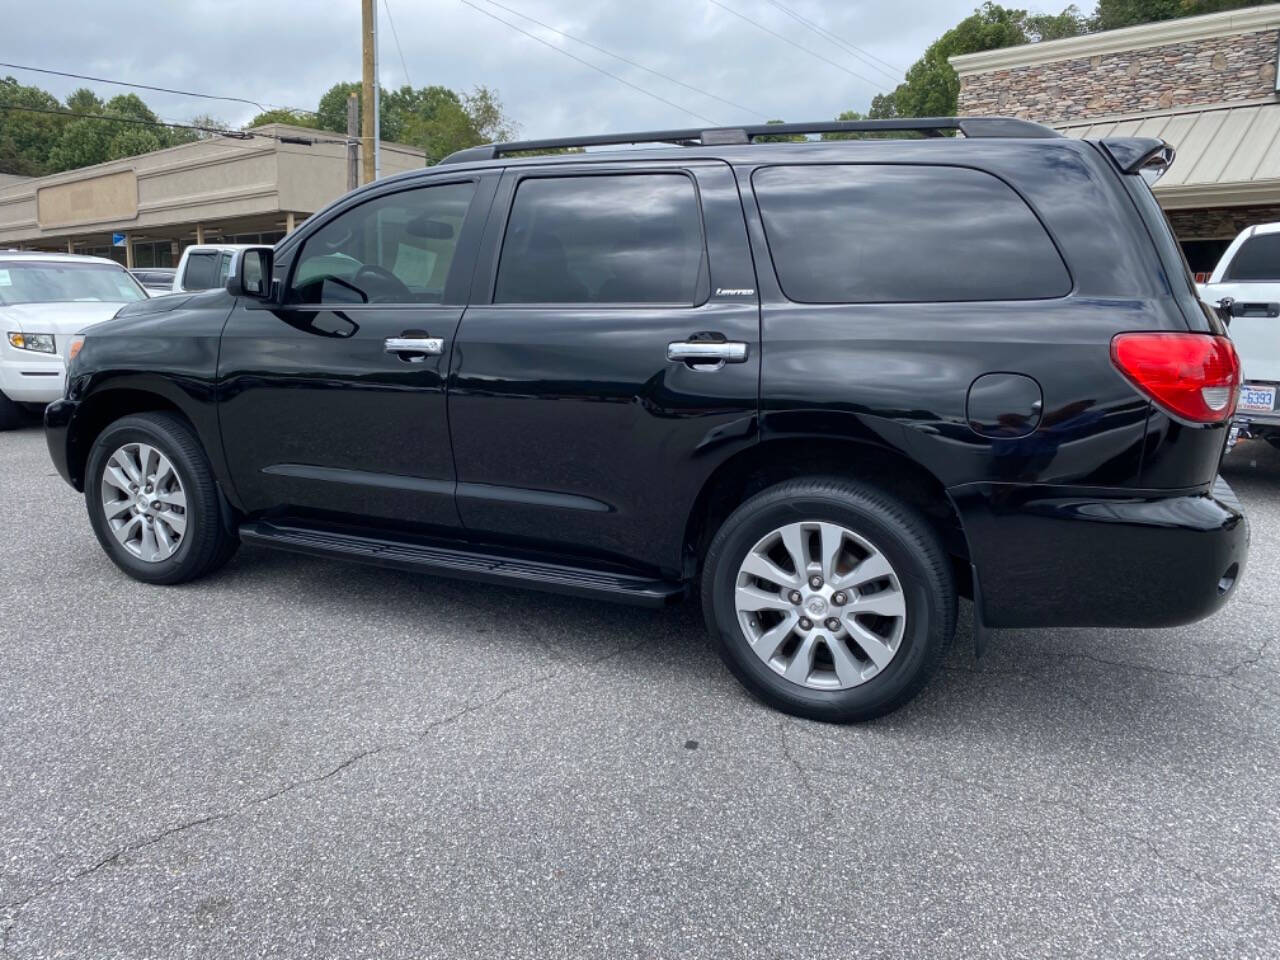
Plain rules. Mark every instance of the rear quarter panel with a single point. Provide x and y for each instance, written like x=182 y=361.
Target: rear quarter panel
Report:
x=897 y=374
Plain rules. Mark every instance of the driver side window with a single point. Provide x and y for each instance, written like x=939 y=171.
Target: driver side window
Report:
x=397 y=248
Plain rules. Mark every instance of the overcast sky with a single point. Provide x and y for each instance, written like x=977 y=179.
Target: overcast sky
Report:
x=289 y=53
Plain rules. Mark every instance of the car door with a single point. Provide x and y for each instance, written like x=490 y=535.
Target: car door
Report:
x=610 y=358
x=333 y=394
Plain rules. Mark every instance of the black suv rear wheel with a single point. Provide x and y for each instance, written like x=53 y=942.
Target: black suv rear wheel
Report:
x=829 y=599
x=153 y=501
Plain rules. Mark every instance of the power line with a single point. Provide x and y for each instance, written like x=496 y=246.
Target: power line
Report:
x=640 y=66
x=387 y=6
x=813 y=53
x=864 y=55
x=588 y=63
x=146 y=86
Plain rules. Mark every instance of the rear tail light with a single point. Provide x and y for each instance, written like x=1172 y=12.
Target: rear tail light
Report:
x=1194 y=376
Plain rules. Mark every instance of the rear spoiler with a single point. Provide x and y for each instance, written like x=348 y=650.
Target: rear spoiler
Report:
x=1138 y=154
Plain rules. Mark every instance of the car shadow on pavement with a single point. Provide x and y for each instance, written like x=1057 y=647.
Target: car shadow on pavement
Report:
x=1079 y=685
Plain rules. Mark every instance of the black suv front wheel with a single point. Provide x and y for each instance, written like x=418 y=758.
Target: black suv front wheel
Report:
x=828 y=599
x=153 y=500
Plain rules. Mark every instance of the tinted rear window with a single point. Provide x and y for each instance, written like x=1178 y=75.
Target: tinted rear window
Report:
x=1257 y=259
x=863 y=233
x=632 y=238
x=201 y=272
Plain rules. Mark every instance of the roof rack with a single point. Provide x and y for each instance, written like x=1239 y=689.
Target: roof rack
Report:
x=724 y=136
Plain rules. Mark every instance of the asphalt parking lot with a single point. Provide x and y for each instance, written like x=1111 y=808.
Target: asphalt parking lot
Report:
x=298 y=758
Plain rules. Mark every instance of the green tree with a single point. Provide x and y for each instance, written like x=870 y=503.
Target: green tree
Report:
x=931 y=85
x=84 y=101
x=435 y=118
x=331 y=112
x=27 y=137
x=206 y=122
x=129 y=140
x=484 y=107
x=1112 y=14
x=1055 y=26
x=441 y=121
x=869 y=135
x=65 y=137
x=780 y=137
x=294 y=118
x=883 y=106
x=847 y=115
x=86 y=140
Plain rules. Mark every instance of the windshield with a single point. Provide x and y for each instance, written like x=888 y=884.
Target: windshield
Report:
x=52 y=281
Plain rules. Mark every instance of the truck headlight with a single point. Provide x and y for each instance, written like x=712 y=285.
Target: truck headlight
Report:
x=39 y=342
x=73 y=348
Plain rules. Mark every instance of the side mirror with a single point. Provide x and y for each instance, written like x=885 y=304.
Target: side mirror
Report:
x=251 y=273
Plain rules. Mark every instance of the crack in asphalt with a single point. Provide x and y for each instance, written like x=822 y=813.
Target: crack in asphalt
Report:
x=800 y=768
x=16 y=907
x=1250 y=661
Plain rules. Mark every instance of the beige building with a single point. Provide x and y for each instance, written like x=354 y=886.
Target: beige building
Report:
x=219 y=190
x=1207 y=85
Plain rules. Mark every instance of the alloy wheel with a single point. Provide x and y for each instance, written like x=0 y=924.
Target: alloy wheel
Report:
x=820 y=605
x=144 y=502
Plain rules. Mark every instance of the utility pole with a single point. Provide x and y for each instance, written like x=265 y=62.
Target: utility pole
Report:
x=369 y=97
x=353 y=142
x=377 y=102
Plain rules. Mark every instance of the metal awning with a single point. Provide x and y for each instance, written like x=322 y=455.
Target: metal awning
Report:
x=1227 y=155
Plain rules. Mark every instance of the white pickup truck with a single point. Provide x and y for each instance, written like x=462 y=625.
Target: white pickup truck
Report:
x=204 y=266
x=1248 y=275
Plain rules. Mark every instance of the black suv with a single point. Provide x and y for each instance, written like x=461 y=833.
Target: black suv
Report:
x=827 y=386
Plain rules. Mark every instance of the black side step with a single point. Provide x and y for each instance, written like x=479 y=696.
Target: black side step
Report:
x=466 y=564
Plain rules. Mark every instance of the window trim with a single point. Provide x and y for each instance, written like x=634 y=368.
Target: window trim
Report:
x=764 y=230
x=316 y=225
x=520 y=176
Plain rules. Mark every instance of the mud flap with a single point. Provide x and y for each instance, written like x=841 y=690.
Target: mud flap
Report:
x=979 y=629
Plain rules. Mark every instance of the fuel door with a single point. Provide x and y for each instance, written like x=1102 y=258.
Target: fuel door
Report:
x=1004 y=405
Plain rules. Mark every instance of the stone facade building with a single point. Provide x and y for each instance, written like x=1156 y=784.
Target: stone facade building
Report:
x=1207 y=85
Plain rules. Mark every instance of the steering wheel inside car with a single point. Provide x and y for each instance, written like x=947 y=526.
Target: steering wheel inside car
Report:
x=380 y=284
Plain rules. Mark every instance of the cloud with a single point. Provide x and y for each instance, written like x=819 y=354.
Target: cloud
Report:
x=290 y=53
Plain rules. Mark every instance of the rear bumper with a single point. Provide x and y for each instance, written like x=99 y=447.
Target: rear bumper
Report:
x=1058 y=556
x=57 y=428
x=1254 y=420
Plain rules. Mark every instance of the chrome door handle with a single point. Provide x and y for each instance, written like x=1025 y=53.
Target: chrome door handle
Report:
x=431 y=346
x=708 y=351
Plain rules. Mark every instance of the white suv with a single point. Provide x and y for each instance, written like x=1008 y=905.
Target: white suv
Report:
x=1249 y=275
x=45 y=299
